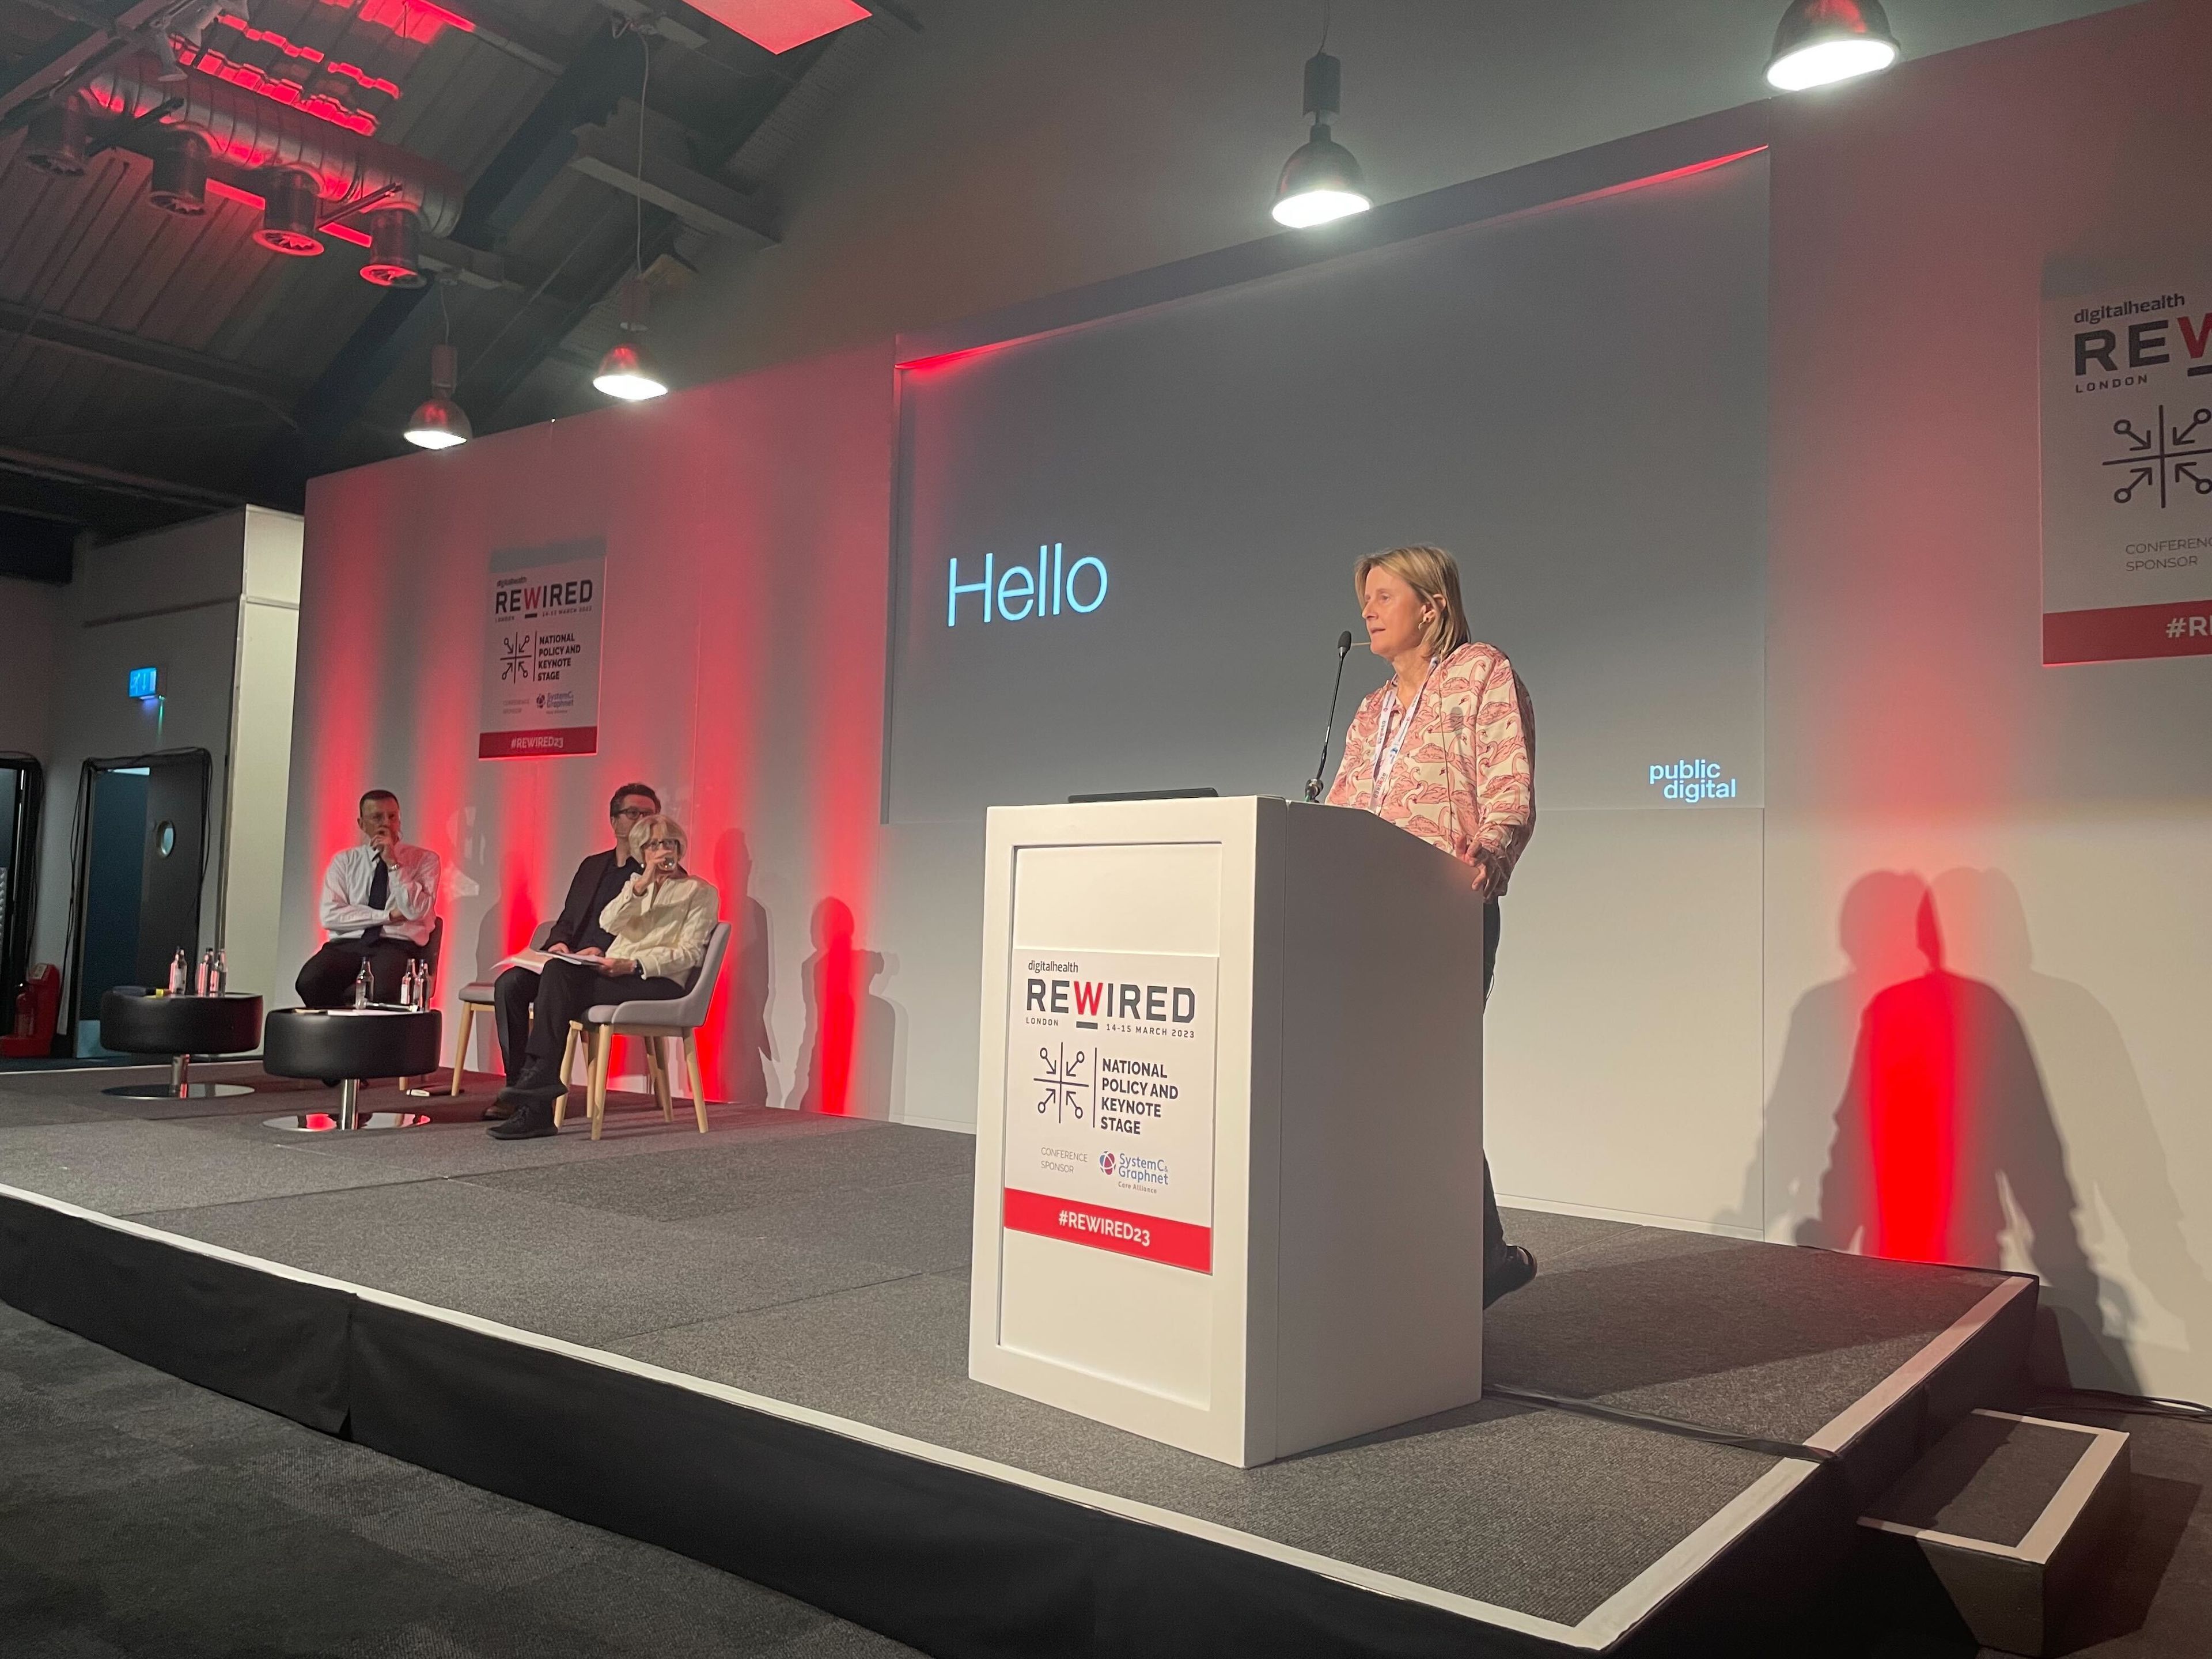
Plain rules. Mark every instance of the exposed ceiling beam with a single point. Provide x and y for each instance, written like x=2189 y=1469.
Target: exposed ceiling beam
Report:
x=609 y=153
x=69 y=53
x=110 y=480
x=745 y=117
x=475 y=268
x=118 y=350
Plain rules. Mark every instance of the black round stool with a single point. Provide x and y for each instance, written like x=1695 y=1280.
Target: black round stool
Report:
x=133 y=1021
x=350 y=1044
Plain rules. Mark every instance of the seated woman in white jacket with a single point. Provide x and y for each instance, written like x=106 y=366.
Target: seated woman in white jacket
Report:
x=661 y=921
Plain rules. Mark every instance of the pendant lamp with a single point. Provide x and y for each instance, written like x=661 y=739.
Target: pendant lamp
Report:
x=1820 y=42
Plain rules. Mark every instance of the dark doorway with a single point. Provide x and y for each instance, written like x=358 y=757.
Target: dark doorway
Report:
x=141 y=861
x=22 y=787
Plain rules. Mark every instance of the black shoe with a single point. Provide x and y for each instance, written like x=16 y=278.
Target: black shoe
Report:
x=1507 y=1271
x=532 y=1120
x=501 y=1107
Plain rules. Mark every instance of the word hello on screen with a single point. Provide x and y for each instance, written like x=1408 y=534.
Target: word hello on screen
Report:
x=1021 y=592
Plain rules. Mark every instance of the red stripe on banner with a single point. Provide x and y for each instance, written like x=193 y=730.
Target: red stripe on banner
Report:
x=526 y=745
x=2127 y=632
x=1177 y=1243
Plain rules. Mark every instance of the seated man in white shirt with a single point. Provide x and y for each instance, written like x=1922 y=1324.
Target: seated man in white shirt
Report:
x=379 y=900
x=660 y=919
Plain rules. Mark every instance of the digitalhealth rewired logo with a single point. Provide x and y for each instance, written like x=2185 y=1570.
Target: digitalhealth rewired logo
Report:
x=1017 y=593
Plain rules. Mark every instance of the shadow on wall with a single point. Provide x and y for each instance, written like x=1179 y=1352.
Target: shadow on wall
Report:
x=741 y=1061
x=1912 y=1116
x=846 y=1057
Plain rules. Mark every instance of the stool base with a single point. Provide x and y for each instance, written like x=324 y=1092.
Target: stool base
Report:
x=189 y=1091
x=348 y=1118
x=179 y=1086
x=316 y=1123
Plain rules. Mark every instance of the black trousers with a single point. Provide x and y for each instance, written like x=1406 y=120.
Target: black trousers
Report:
x=513 y=994
x=1493 y=1230
x=565 y=991
x=326 y=978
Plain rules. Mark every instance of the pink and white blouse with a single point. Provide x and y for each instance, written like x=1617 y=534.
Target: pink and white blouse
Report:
x=1463 y=778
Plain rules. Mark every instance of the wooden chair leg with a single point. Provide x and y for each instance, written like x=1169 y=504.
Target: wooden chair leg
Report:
x=568 y=1071
x=698 y=1079
x=603 y=1043
x=656 y=1062
x=461 y=1046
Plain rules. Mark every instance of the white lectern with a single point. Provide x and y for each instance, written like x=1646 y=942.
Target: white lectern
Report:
x=1229 y=1161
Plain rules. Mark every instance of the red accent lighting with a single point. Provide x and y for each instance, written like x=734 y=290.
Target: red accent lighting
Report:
x=419 y=20
x=780 y=25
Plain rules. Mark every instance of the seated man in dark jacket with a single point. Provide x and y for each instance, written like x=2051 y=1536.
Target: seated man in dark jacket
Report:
x=598 y=879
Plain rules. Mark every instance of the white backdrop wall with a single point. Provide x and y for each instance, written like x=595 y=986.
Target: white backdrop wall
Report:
x=2060 y=819
x=1681 y=992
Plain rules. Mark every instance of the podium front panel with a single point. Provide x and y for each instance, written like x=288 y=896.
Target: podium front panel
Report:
x=1107 y=1283
x=1229 y=1141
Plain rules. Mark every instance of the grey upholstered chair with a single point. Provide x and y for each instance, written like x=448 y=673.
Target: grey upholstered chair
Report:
x=476 y=995
x=657 y=1023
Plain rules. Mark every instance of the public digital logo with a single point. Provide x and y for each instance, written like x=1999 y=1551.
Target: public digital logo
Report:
x=1106 y=1163
x=1016 y=592
x=1689 y=781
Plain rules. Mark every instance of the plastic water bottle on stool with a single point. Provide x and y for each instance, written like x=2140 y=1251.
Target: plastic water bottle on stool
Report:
x=180 y=974
x=218 y=972
x=362 y=986
x=202 y=980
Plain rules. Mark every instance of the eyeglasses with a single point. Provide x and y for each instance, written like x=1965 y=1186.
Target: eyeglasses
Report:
x=635 y=813
x=672 y=846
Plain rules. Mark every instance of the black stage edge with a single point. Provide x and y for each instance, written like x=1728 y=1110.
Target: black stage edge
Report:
x=948 y=1552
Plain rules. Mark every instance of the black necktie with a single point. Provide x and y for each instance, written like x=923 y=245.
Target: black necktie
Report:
x=379 y=898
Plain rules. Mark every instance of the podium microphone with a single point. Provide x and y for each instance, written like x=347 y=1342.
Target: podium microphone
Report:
x=1328 y=731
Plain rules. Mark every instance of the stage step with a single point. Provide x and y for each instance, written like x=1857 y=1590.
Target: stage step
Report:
x=2008 y=1514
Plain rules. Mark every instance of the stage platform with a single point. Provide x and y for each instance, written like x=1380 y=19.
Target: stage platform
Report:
x=751 y=1347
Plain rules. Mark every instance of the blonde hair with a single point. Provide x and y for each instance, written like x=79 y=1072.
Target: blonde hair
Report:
x=659 y=823
x=1434 y=574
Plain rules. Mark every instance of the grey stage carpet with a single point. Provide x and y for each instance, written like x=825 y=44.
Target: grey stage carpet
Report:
x=823 y=1261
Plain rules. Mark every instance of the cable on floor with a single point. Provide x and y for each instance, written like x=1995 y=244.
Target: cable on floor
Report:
x=1674 y=1425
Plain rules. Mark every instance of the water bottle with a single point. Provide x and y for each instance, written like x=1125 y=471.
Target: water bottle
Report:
x=218 y=972
x=206 y=972
x=362 y=986
x=410 y=990
x=180 y=974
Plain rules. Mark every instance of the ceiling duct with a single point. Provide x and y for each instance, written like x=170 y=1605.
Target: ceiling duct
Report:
x=242 y=133
x=56 y=139
x=395 y=258
x=181 y=176
x=291 y=207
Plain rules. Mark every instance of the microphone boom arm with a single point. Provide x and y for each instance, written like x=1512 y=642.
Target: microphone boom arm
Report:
x=1315 y=784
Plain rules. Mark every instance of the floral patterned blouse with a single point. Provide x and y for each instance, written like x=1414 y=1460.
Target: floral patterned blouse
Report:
x=1463 y=779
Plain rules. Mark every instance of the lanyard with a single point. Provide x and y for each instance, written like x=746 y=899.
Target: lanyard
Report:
x=1386 y=755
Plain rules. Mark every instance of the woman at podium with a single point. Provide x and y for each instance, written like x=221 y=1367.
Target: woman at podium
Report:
x=1445 y=748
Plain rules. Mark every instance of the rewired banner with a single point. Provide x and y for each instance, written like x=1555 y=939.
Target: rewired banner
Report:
x=2127 y=473
x=1110 y=1103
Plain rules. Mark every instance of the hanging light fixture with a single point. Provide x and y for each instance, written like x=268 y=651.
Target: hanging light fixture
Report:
x=628 y=371
x=438 y=421
x=1820 y=42
x=1320 y=181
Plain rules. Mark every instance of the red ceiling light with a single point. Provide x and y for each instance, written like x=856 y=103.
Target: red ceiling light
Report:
x=288 y=216
x=780 y=25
